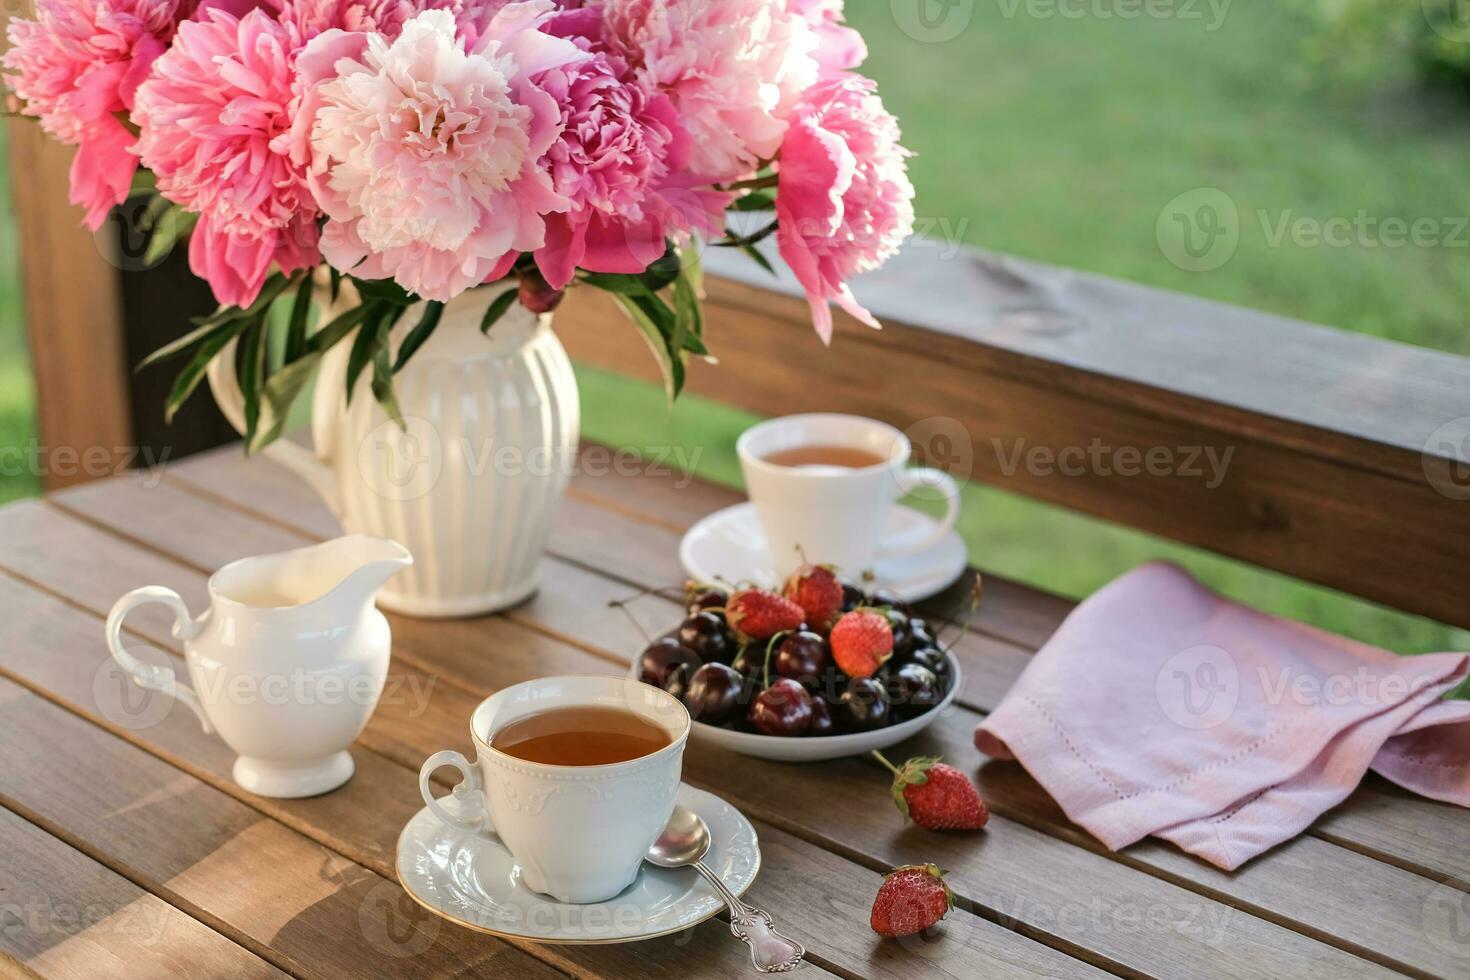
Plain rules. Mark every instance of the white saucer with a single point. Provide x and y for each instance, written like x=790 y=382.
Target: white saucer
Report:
x=471 y=879
x=729 y=545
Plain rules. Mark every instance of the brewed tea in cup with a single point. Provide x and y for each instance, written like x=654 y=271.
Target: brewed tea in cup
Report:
x=576 y=776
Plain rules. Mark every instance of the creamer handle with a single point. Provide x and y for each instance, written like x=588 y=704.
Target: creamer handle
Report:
x=148 y=676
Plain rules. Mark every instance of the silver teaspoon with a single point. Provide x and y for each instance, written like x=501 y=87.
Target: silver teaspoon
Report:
x=683 y=844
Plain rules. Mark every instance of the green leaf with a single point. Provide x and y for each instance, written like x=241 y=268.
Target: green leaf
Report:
x=655 y=322
x=760 y=258
x=383 y=290
x=664 y=271
x=281 y=392
x=761 y=200
x=732 y=240
x=616 y=283
x=296 y=329
x=143 y=182
x=173 y=226
x=383 y=386
x=688 y=317
x=369 y=339
x=336 y=278
x=251 y=370
x=177 y=347
x=328 y=336
x=188 y=379
x=421 y=332
x=497 y=309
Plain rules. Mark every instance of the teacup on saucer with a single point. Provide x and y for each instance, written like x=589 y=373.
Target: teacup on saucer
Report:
x=469 y=877
x=730 y=546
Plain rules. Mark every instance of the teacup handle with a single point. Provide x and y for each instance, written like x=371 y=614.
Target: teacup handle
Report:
x=468 y=786
x=910 y=480
x=148 y=676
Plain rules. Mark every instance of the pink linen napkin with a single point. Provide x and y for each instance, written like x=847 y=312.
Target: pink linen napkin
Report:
x=1161 y=708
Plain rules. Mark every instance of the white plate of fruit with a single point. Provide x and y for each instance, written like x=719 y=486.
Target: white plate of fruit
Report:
x=815 y=670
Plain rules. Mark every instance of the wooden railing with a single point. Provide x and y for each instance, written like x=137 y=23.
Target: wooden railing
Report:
x=1327 y=455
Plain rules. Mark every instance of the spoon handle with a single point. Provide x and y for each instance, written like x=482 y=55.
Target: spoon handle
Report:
x=770 y=951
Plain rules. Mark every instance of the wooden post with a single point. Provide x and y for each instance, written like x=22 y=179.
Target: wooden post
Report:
x=73 y=319
x=93 y=310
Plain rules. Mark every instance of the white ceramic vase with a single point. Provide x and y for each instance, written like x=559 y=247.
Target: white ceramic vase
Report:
x=472 y=481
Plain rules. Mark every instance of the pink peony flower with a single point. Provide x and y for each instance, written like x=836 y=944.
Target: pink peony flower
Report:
x=385 y=17
x=735 y=69
x=215 y=120
x=423 y=150
x=839 y=47
x=844 y=202
x=620 y=161
x=77 y=66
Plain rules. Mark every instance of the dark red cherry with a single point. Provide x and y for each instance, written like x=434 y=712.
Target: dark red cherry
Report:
x=903 y=637
x=784 y=709
x=801 y=656
x=822 y=720
x=665 y=660
x=921 y=634
x=913 y=690
x=705 y=634
x=715 y=694
x=852 y=597
x=864 y=705
x=933 y=658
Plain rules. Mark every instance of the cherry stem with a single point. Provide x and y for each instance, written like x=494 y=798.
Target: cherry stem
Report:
x=766 y=667
x=975 y=593
x=886 y=764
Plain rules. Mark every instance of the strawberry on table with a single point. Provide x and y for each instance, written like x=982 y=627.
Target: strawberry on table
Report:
x=760 y=614
x=861 y=642
x=910 y=900
x=816 y=589
x=936 y=796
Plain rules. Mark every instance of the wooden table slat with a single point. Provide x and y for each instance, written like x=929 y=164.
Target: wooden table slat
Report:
x=801 y=884
x=286 y=898
x=1380 y=820
x=360 y=821
x=866 y=777
x=63 y=915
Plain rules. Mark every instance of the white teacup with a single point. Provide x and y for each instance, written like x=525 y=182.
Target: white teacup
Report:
x=578 y=833
x=836 y=514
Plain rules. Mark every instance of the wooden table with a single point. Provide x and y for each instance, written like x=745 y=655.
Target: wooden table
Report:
x=125 y=848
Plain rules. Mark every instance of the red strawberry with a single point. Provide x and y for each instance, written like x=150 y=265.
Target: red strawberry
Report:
x=760 y=614
x=936 y=796
x=861 y=642
x=910 y=900
x=817 y=591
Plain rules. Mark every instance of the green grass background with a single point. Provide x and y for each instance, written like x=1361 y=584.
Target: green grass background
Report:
x=1062 y=140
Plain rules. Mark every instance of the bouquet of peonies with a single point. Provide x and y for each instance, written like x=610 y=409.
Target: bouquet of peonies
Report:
x=420 y=148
